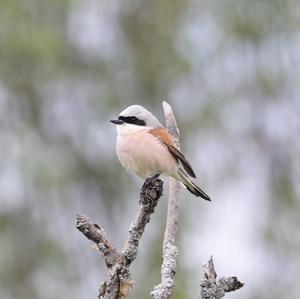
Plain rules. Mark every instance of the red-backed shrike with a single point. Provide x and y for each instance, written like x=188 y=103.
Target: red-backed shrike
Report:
x=146 y=148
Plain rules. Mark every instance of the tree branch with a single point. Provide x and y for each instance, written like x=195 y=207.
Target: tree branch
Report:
x=95 y=233
x=118 y=282
x=148 y=201
x=168 y=269
x=213 y=289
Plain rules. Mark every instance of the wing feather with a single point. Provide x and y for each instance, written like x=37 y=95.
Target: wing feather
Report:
x=180 y=156
x=164 y=136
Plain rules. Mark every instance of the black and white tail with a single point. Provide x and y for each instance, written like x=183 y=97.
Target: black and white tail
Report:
x=191 y=186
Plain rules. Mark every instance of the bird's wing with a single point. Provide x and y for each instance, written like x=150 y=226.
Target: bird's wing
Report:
x=180 y=156
x=164 y=136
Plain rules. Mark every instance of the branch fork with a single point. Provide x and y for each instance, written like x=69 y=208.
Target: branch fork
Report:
x=118 y=282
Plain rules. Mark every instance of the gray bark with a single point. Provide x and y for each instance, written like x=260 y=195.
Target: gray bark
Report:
x=168 y=269
x=211 y=288
x=118 y=282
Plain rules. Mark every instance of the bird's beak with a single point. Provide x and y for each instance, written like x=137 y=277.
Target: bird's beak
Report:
x=117 y=121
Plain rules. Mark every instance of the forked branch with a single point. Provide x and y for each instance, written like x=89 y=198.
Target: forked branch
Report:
x=118 y=282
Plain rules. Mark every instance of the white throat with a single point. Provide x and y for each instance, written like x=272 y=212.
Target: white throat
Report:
x=126 y=129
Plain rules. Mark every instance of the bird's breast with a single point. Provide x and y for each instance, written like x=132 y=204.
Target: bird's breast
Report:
x=143 y=154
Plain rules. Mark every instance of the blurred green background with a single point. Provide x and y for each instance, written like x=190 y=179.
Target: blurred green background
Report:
x=230 y=69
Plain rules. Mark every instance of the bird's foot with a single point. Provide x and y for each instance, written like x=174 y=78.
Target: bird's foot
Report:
x=151 y=191
x=149 y=181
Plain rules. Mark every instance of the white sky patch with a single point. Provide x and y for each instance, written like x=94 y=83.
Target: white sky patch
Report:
x=93 y=28
x=199 y=36
x=101 y=141
x=282 y=121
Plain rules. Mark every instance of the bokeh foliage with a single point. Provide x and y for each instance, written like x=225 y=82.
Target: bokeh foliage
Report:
x=231 y=71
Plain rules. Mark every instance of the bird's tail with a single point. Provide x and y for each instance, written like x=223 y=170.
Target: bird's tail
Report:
x=191 y=186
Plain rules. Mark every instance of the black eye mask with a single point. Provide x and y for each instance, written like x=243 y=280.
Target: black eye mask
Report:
x=132 y=120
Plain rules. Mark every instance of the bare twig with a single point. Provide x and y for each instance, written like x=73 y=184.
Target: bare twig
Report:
x=118 y=282
x=170 y=251
x=148 y=201
x=211 y=288
x=95 y=233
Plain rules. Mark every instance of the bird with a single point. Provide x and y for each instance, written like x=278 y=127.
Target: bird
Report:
x=146 y=148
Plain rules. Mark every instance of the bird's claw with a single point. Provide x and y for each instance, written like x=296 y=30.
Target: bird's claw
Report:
x=149 y=182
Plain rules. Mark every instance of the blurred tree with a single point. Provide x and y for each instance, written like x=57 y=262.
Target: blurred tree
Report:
x=230 y=70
